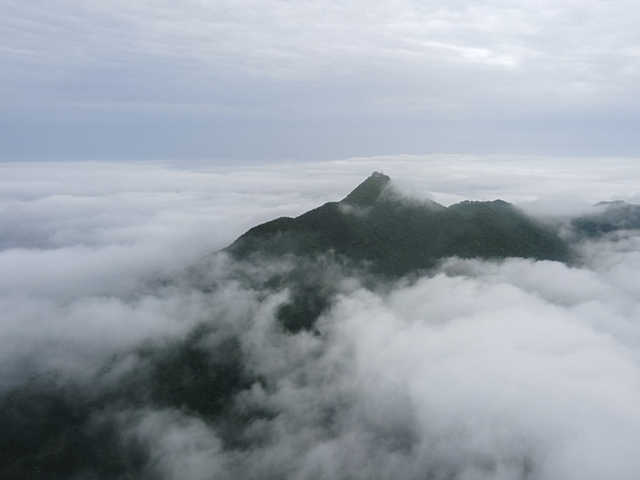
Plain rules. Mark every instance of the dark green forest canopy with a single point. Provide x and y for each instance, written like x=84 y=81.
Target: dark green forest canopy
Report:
x=397 y=235
x=386 y=236
x=608 y=217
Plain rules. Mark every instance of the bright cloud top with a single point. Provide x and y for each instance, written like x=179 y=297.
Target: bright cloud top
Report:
x=483 y=370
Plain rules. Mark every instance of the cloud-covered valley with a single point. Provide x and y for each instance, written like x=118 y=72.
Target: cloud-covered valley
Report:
x=176 y=365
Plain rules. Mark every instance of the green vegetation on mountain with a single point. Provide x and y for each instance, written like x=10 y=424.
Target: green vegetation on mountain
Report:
x=55 y=431
x=47 y=432
x=397 y=236
x=389 y=236
x=608 y=217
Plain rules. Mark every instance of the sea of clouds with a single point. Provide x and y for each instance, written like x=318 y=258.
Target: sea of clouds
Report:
x=482 y=370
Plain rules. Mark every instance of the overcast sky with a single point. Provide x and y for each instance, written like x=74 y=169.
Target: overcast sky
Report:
x=274 y=79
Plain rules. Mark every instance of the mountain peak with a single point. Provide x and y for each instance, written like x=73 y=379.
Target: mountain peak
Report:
x=367 y=193
x=395 y=237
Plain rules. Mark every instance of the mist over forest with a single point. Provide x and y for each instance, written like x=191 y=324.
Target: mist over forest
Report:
x=217 y=263
x=138 y=342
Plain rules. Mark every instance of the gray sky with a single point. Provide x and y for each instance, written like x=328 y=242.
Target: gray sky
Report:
x=308 y=80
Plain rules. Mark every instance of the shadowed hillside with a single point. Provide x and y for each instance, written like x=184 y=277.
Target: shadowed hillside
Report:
x=608 y=217
x=398 y=236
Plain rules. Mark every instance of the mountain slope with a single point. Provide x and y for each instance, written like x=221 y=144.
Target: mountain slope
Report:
x=608 y=217
x=397 y=236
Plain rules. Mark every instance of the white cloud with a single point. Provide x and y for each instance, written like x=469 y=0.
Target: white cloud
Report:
x=181 y=446
x=492 y=370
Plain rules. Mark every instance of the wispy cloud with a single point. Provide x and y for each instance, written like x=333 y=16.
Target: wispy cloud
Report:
x=507 y=369
x=293 y=65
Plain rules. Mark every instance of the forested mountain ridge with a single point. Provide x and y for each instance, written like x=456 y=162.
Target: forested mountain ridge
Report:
x=397 y=236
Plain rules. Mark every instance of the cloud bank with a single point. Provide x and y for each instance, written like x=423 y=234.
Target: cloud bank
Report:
x=480 y=370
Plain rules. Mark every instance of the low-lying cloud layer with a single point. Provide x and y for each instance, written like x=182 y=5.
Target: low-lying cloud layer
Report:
x=480 y=370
